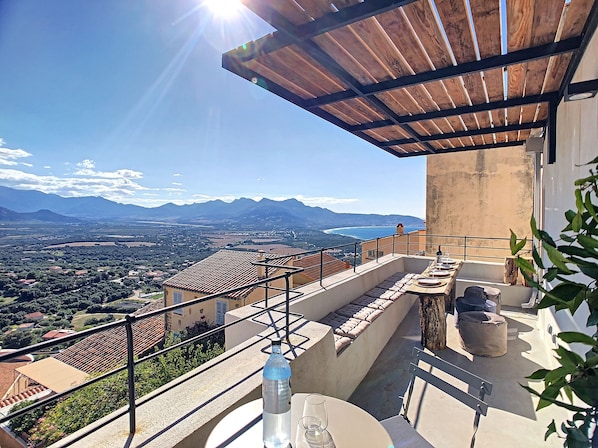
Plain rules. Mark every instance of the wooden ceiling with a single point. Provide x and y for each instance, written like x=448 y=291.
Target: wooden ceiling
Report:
x=419 y=77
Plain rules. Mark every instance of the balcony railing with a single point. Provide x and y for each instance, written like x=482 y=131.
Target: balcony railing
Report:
x=414 y=243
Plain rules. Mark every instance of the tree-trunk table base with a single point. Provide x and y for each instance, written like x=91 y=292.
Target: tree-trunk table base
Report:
x=432 y=319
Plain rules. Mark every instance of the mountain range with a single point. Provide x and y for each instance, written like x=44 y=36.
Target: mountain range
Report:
x=28 y=205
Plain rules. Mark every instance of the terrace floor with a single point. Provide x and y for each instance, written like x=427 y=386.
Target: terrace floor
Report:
x=444 y=421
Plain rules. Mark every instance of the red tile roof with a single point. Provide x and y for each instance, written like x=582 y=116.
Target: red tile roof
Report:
x=106 y=350
x=26 y=394
x=57 y=334
x=226 y=269
x=311 y=264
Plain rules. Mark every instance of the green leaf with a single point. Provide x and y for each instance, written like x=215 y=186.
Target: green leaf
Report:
x=516 y=246
x=534 y=228
x=567 y=238
x=551 y=430
x=579 y=202
x=568 y=358
x=588 y=242
x=551 y=274
x=575 y=336
x=589 y=206
x=544 y=236
x=537 y=258
x=525 y=265
x=557 y=258
x=577 y=223
x=538 y=374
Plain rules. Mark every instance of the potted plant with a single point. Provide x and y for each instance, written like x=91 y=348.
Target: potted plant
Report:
x=572 y=270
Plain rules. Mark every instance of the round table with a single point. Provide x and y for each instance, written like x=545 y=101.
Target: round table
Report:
x=349 y=425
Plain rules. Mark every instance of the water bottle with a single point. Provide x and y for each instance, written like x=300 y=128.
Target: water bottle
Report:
x=439 y=256
x=276 y=392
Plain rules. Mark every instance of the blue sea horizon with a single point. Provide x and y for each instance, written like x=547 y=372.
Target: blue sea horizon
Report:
x=365 y=233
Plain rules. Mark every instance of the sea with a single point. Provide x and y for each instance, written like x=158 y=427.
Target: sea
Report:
x=369 y=232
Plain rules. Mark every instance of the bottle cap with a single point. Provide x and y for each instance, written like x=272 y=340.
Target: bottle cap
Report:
x=276 y=341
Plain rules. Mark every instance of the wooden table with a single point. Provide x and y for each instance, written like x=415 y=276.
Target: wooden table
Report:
x=434 y=303
x=349 y=425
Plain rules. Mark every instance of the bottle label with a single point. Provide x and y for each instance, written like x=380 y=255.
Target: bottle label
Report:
x=277 y=396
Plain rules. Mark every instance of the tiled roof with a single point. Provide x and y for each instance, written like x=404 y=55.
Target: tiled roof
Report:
x=106 y=350
x=57 y=334
x=226 y=269
x=311 y=264
x=25 y=395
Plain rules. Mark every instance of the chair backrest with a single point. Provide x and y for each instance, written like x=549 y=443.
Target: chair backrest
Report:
x=475 y=383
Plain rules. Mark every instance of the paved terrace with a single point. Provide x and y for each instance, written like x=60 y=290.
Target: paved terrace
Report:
x=370 y=372
x=445 y=422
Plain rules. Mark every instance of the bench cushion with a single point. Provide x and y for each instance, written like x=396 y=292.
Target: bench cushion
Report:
x=359 y=312
x=372 y=302
x=345 y=326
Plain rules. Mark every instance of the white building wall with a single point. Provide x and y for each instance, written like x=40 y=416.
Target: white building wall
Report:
x=577 y=144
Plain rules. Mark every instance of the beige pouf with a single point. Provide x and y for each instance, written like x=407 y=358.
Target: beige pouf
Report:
x=493 y=294
x=483 y=333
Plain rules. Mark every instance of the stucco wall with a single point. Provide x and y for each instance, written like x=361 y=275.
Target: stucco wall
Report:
x=478 y=193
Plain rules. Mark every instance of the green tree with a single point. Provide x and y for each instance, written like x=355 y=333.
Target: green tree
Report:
x=100 y=399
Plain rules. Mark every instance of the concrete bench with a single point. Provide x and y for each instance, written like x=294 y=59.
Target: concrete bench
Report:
x=352 y=320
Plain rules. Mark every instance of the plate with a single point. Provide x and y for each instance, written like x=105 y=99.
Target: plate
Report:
x=446 y=267
x=441 y=273
x=428 y=282
x=448 y=261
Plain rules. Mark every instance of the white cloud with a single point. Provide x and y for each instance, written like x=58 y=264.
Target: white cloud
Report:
x=206 y=198
x=10 y=157
x=320 y=201
x=177 y=175
x=86 y=168
x=178 y=184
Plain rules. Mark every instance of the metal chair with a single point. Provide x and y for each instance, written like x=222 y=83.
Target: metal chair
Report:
x=474 y=400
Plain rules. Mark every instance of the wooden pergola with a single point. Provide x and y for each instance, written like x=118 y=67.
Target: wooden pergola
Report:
x=420 y=77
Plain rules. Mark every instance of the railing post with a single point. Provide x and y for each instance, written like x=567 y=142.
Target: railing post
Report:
x=287 y=306
x=266 y=287
x=377 y=241
x=131 y=372
x=321 y=265
x=355 y=258
x=408 y=244
x=393 y=244
x=465 y=248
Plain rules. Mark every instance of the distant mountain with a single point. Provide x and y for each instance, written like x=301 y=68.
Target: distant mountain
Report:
x=7 y=215
x=240 y=213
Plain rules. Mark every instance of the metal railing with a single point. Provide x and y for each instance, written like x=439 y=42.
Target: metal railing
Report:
x=414 y=243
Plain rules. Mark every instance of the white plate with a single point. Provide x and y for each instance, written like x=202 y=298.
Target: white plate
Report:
x=448 y=261
x=446 y=267
x=429 y=281
x=439 y=273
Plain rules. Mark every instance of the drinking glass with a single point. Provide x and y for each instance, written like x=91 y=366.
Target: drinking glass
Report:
x=315 y=406
x=309 y=433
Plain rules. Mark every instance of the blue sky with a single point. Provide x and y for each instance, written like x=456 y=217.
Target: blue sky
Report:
x=128 y=100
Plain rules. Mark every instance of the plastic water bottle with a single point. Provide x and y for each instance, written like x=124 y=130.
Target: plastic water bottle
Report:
x=276 y=392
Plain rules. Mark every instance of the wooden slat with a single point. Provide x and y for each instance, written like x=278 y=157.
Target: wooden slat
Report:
x=378 y=43
x=400 y=102
x=556 y=70
x=295 y=69
x=268 y=74
x=453 y=15
x=444 y=126
x=315 y=8
x=520 y=16
x=575 y=18
x=358 y=109
x=486 y=20
x=421 y=17
x=288 y=9
x=387 y=133
x=528 y=113
x=424 y=128
x=355 y=57
x=401 y=34
x=547 y=16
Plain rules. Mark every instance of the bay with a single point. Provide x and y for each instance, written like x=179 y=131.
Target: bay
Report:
x=369 y=232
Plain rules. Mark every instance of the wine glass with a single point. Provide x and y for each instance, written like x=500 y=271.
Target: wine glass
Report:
x=315 y=406
x=309 y=433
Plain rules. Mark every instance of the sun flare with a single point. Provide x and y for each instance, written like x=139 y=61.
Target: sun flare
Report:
x=224 y=8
